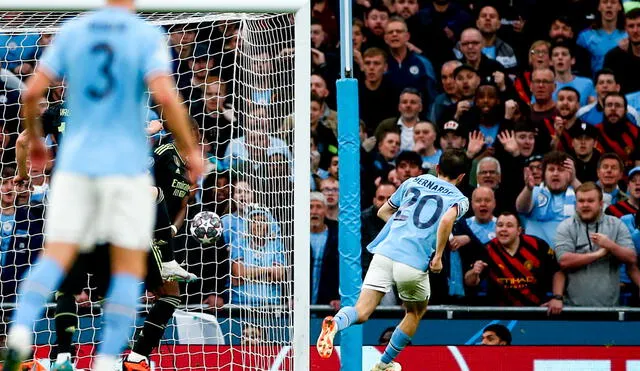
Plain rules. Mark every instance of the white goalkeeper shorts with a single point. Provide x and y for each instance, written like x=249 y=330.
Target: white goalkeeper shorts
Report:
x=383 y=273
x=86 y=211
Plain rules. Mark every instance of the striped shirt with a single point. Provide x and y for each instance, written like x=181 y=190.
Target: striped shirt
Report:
x=621 y=138
x=523 y=279
x=621 y=209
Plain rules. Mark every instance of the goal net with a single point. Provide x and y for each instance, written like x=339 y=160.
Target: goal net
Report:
x=235 y=73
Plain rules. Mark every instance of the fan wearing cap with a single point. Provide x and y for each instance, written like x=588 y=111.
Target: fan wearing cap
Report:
x=583 y=141
x=632 y=203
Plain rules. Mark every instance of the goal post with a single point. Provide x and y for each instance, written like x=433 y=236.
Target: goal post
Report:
x=295 y=110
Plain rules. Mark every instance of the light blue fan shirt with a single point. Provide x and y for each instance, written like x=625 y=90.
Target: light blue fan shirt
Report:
x=106 y=58
x=409 y=236
x=485 y=232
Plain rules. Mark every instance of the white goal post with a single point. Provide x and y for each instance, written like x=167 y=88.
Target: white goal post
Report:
x=300 y=340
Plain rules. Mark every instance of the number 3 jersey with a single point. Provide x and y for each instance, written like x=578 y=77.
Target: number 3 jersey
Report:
x=409 y=236
x=105 y=59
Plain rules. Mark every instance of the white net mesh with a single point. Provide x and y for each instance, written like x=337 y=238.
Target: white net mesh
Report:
x=235 y=72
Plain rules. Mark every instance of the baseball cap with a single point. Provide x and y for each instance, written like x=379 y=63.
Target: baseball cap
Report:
x=464 y=67
x=582 y=128
x=634 y=171
x=533 y=158
x=453 y=126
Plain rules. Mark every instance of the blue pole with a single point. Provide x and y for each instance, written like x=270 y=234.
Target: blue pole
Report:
x=349 y=202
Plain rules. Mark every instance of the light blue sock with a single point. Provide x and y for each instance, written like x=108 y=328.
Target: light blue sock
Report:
x=345 y=317
x=398 y=341
x=119 y=313
x=33 y=293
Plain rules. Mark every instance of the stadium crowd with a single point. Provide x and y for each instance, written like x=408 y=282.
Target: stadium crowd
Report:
x=543 y=97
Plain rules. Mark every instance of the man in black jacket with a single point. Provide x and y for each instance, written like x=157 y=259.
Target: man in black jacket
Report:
x=324 y=254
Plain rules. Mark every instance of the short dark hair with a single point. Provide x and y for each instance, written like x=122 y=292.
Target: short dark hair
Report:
x=453 y=163
x=316 y=98
x=616 y=94
x=410 y=90
x=611 y=156
x=605 y=71
x=563 y=44
x=588 y=187
x=8 y=172
x=410 y=157
x=376 y=6
x=511 y=213
x=571 y=89
x=501 y=331
x=633 y=14
x=553 y=158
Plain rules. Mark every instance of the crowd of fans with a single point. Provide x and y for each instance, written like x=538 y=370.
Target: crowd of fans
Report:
x=544 y=100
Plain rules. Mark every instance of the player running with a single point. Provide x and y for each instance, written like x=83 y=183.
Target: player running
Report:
x=419 y=218
x=100 y=193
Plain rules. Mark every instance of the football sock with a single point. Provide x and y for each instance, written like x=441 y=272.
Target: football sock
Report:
x=33 y=293
x=398 y=341
x=345 y=317
x=119 y=312
x=155 y=324
x=66 y=321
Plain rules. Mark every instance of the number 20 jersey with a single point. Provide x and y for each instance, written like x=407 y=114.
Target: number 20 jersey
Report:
x=105 y=58
x=409 y=236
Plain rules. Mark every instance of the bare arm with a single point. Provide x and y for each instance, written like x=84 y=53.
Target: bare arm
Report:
x=524 y=202
x=181 y=215
x=444 y=230
x=559 y=281
x=624 y=254
x=386 y=211
x=572 y=260
x=22 y=149
x=242 y=271
x=36 y=87
x=634 y=273
x=472 y=276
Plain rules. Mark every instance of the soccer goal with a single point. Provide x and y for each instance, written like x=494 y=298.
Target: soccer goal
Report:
x=242 y=67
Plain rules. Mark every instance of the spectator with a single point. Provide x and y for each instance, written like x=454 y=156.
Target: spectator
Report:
x=610 y=173
x=520 y=269
x=617 y=134
x=410 y=107
x=534 y=165
x=548 y=204
x=562 y=30
x=424 y=138
x=17 y=52
x=486 y=114
x=539 y=58
x=327 y=143
x=471 y=44
x=489 y=174
x=201 y=67
x=330 y=189
x=488 y=22
x=383 y=159
x=453 y=136
x=543 y=85
x=606 y=34
x=590 y=247
x=329 y=116
x=583 y=142
x=324 y=254
x=563 y=60
x=567 y=105
x=449 y=96
x=408 y=165
x=233 y=223
x=606 y=83
x=428 y=39
x=625 y=60
x=214 y=117
x=376 y=93
x=371 y=225
x=406 y=68
x=215 y=192
x=182 y=41
x=467 y=82
x=375 y=22
x=320 y=39
x=483 y=221
x=525 y=136
x=446 y=15
x=258 y=262
x=496 y=334
x=631 y=204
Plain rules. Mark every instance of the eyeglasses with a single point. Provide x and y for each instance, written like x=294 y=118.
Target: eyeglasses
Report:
x=329 y=190
x=539 y=53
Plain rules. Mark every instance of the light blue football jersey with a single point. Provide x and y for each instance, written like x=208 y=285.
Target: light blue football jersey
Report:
x=485 y=232
x=409 y=236
x=105 y=58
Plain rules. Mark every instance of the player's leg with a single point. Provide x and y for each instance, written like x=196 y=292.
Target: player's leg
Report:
x=414 y=290
x=68 y=224
x=377 y=283
x=129 y=213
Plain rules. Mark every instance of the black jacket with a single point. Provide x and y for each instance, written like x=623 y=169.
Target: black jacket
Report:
x=329 y=276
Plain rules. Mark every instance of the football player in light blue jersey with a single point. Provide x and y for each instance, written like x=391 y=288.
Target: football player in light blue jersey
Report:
x=419 y=218
x=100 y=191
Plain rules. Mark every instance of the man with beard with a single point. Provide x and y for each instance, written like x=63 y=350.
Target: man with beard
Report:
x=375 y=22
x=562 y=60
x=410 y=107
x=617 y=134
x=610 y=173
x=632 y=203
x=406 y=67
x=488 y=22
x=449 y=96
x=562 y=30
x=583 y=142
x=626 y=61
x=567 y=105
x=376 y=93
x=606 y=83
x=471 y=44
x=590 y=246
x=520 y=269
x=548 y=204
x=486 y=114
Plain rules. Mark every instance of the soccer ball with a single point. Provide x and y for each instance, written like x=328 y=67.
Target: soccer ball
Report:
x=206 y=227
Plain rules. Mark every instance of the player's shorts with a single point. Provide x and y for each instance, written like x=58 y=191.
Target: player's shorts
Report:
x=93 y=210
x=383 y=273
x=92 y=270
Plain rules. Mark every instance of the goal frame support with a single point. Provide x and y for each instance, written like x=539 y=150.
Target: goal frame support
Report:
x=302 y=76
